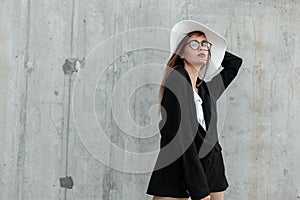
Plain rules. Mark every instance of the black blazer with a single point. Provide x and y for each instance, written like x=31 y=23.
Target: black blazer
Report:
x=183 y=140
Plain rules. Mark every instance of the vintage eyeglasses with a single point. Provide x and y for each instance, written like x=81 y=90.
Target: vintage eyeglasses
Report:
x=194 y=44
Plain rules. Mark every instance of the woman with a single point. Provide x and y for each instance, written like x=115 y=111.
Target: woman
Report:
x=190 y=162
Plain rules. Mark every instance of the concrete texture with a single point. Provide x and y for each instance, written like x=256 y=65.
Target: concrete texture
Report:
x=39 y=140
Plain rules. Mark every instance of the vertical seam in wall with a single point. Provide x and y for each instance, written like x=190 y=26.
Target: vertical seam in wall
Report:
x=21 y=159
x=113 y=83
x=23 y=109
x=170 y=13
x=187 y=9
x=72 y=25
x=107 y=193
x=255 y=118
x=68 y=105
x=68 y=123
x=115 y=33
x=69 y=91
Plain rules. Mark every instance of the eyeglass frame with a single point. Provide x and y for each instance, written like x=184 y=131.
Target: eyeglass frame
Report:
x=200 y=44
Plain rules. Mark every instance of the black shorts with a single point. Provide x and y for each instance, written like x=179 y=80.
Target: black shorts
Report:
x=164 y=184
x=213 y=165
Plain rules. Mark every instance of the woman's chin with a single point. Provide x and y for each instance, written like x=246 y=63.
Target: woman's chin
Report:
x=197 y=63
x=201 y=63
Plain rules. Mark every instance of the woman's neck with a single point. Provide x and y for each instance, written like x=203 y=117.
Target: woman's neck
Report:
x=193 y=73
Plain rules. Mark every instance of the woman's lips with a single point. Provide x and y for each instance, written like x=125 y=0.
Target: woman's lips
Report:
x=201 y=54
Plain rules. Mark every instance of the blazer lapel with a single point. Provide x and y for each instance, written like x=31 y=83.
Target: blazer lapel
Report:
x=206 y=102
x=204 y=94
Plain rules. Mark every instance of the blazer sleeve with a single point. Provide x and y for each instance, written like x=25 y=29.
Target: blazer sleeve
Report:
x=218 y=84
x=181 y=127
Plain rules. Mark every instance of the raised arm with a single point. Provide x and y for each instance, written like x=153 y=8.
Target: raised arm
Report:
x=218 y=84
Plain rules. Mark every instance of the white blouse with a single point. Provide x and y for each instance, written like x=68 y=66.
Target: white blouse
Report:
x=200 y=115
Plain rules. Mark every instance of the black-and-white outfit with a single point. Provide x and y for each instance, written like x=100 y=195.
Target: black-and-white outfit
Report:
x=189 y=175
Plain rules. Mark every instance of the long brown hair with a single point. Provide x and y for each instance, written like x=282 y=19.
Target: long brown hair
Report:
x=176 y=61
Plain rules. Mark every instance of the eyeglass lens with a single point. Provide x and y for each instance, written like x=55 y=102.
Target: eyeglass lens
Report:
x=194 y=44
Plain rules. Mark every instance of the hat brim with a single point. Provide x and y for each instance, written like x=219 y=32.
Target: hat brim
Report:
x=218 y=48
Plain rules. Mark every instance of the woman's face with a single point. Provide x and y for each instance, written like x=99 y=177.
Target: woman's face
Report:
x=195 y=57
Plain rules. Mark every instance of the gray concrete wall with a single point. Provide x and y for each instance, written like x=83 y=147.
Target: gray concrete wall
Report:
x=42 y=140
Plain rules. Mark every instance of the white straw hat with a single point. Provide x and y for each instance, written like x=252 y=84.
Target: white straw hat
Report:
x=218 y=48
